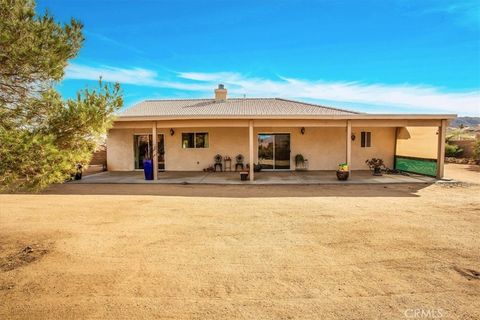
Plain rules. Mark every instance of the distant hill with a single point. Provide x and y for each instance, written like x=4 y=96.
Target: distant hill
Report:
x=466 y=121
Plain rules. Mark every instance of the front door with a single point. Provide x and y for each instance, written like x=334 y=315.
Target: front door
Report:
x=143 y=149
x=274 y=151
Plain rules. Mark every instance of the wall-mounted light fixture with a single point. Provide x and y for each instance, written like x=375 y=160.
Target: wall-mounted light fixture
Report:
x=172 y=132
x=353 y=136
x=302 y=131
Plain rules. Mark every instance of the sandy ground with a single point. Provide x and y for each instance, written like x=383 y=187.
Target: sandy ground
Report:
x=241 y=252
x=463 y=172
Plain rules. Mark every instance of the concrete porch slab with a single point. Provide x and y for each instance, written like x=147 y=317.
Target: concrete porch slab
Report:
x=261 y=178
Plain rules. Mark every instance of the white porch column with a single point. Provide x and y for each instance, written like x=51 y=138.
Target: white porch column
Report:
x=349 y=145
x=442 y=132
x=250 y=146
x=155 y=150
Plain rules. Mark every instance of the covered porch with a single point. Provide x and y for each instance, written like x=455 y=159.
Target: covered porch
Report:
x=323 y=142
x=261 y=178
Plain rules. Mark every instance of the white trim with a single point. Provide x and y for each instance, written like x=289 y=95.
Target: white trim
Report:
x=283 y=117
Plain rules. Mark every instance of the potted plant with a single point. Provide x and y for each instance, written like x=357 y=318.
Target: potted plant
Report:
x=376 y=166
x=256 y=167
x=343 y=173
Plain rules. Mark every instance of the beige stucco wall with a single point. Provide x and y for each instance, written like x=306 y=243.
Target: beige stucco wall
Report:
x=120 y=154
x=419 y=142
x=324 y=147
x=382 y=146
x=224 y=141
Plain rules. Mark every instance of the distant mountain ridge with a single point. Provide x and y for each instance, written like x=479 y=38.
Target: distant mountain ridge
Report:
x=465 y=121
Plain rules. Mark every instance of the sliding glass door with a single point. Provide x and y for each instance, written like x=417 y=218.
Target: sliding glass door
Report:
x=282 y=152
x=274 y=151
x=142 y=144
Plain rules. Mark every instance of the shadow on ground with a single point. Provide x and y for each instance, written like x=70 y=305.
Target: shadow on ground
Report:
x=239 y=191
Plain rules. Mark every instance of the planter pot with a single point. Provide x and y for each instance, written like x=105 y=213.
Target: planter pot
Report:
x=343 y=175
x=244 y=175
x=377 y=171
x=148 y=169
x=78 y=174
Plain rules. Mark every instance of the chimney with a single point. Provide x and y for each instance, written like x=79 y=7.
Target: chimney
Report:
x=220 y=93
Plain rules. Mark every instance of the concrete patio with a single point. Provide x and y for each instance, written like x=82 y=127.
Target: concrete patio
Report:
x=287 y=177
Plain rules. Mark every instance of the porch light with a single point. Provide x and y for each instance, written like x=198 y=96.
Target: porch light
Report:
x=172 y=132
x=353 y=137
x=302 y=131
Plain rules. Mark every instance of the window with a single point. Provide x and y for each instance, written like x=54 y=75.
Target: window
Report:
x=366 y=139
x=195 y=140
x=201 y=140
x=187 y=140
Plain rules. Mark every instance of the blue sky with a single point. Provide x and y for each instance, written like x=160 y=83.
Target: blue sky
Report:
x=374 y=56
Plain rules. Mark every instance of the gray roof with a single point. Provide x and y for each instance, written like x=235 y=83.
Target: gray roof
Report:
x=231 y=107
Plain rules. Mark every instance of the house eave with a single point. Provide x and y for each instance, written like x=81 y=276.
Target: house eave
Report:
x=293 y=117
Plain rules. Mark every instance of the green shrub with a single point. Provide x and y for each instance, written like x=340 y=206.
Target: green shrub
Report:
x=476 y=149
x=452 y=150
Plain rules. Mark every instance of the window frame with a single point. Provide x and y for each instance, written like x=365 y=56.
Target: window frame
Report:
x=366 y=139
x=194 y=133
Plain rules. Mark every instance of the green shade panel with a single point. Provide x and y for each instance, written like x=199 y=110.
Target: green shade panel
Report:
x=426 y=167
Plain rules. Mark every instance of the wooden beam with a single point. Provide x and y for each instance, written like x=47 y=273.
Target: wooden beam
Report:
x=396 y=123
x=250 y=147
x=395 y=148
x=442 y=133
x=155 y=151
x=349 y=145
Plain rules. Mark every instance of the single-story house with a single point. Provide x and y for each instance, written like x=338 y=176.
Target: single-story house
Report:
x=271 y=132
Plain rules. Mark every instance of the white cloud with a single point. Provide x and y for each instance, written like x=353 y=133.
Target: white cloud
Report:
x=134 y=76
x=131 y=76
x=419 y=99
x=219 y=76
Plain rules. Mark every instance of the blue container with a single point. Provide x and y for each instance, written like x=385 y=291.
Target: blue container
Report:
x=148 y=169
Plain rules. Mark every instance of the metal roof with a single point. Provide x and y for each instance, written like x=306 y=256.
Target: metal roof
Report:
x=254 y=107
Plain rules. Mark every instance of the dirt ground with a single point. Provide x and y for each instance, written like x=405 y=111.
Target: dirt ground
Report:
x=241 y=252
x=463 y=172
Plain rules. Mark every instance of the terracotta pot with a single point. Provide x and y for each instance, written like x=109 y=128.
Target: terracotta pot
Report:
x=342 y=175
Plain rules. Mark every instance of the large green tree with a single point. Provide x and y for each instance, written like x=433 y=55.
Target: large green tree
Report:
x=42 y=136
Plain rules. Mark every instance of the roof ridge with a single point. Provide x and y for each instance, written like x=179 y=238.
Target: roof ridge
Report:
x=196 y=99
x=254 y=98
x=181 y=99
x=319 y=105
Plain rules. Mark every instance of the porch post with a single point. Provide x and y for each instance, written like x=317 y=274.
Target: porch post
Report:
x=442 y=132
x=250 y=145
x=349 y=145
x=155 y=150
